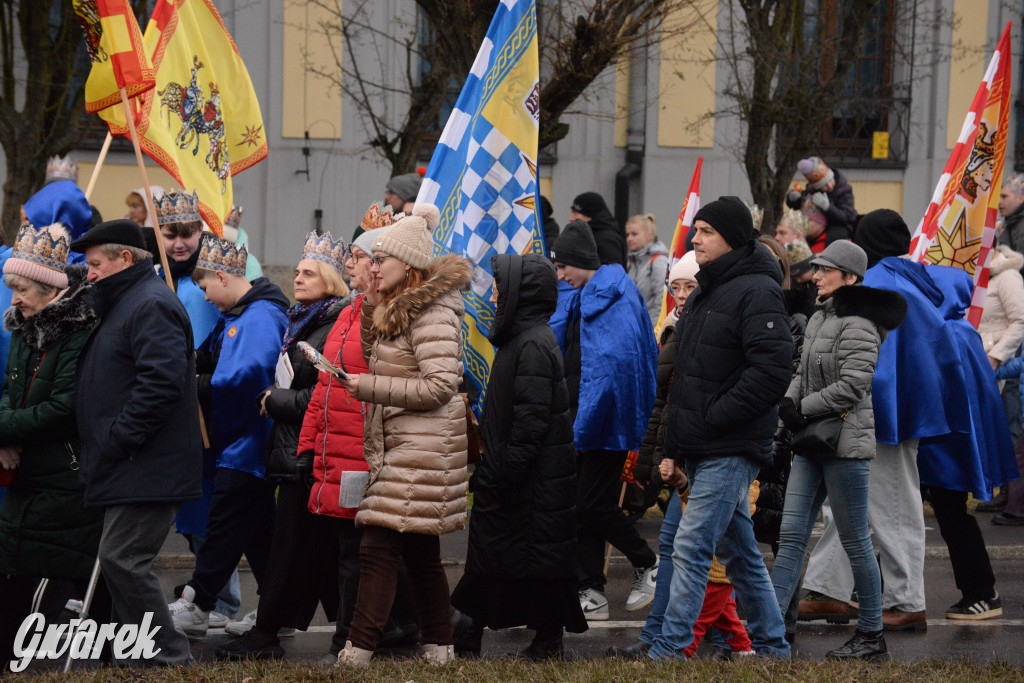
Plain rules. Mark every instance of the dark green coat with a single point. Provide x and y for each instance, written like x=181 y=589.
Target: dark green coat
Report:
x=44 y=529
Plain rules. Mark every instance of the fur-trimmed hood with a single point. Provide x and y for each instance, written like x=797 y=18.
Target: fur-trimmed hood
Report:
x=59 y=319
x=1003 y=259
x=885 y=308
x=445 y=276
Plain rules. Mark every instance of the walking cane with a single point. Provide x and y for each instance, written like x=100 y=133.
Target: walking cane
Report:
x=93 y=580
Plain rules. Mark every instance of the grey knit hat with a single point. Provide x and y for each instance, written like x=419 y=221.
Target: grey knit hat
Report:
x=408 y=239
x=844 y=255
x=366 y=239
x=406 y=186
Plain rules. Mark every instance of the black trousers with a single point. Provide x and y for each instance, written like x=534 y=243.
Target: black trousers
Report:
x=241 y=522
x=967 y=552
x=302 y=571
x=599 y=518
x=21 y=596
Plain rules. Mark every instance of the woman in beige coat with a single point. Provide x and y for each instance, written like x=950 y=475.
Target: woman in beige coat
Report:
x=1002 y=321
x=415 y=433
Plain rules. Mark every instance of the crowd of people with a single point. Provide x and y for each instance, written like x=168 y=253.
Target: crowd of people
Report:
x=325 y=437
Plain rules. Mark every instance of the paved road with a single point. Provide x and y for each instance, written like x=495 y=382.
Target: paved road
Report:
x=997 y=639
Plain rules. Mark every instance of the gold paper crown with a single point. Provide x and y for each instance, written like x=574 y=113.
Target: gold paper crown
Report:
x=61 y=168
x=47 y=246
x=235 y=217
x=218 y=254
x=756 y=215
x=326 y=249
x=377 y=217
x=177 y=207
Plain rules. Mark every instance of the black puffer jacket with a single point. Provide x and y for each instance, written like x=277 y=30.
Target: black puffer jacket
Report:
x=287 y=407
x=650 y=455
x=734 y=360
x=1013 y=231
x=135 y=395
x=524 y=516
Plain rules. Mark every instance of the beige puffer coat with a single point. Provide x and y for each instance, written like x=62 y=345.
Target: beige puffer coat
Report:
x=415 y=433
x=1002 y=321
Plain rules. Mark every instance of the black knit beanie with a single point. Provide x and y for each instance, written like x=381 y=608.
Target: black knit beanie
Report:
x=590 y=204
x=882 y=233
x=730 y=217
x=575 y=246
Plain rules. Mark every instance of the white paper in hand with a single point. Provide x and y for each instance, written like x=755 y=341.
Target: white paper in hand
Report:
x=284 y=374
x=321 y=363
x=352 y=486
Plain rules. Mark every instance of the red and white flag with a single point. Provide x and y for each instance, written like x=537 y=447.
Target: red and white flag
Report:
x=690 y=207
x=959 y=227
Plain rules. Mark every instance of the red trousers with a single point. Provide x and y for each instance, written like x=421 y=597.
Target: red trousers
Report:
x=719 y=611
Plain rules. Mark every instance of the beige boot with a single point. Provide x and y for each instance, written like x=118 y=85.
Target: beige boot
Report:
x=354 y=656
x=437 y=655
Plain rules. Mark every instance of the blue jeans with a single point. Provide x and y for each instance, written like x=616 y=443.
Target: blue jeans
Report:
x=845 y=482
x=666 y=537
x=717 y=521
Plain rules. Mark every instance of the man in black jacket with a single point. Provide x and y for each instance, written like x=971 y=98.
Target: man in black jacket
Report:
x=733 y=365
x=138 y=417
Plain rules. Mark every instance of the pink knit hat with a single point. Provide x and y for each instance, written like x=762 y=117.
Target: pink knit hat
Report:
x=40 y=254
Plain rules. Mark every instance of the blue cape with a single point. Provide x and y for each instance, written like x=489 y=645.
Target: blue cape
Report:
x=201 y=313
x=61 y=201
x=250 y=344
x=919 y=388
x=619 y=359
x=982 y=458
x=5 y=303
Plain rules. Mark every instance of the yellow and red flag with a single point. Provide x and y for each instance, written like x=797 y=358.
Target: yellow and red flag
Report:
x=690 y=207
x=118 y=56
x=202 y=122
x=959 y=227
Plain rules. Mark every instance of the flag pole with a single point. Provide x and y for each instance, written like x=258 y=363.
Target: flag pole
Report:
x=156 y=222
x=99 y=164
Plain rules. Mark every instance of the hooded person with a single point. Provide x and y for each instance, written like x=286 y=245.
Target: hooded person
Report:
x=609 y=236
x=829 y=192
x=606 y=336
x=528 y=479
x=138 y=209
x=61 y=201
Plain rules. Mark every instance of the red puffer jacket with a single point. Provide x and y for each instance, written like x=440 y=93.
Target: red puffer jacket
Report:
x=333 y=425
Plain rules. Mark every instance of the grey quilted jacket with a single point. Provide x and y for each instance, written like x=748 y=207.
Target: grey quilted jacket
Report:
x=648 y=266
x=837 y=366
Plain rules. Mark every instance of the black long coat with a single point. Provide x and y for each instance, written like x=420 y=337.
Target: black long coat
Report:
x=523 y=524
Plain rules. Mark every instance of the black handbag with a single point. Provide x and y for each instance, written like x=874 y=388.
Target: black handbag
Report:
x=820 y=436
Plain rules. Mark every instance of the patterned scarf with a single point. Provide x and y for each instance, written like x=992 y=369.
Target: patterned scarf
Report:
x=301 y=315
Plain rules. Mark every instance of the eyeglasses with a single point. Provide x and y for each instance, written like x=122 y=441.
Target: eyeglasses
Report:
x=824 y=270
x=378 y=260
x=355 y=257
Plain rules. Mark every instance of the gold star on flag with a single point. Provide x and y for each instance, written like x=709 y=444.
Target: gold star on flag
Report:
x=955 y=248
x=251 y=136
x=528 y=201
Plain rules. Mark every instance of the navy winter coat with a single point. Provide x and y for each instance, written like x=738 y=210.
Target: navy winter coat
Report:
x=137 y=408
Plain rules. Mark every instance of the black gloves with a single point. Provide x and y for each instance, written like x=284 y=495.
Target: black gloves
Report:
x=304 y=469
x=790 y=415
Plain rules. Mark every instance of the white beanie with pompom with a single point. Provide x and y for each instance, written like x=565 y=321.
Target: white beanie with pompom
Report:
x=408 y=239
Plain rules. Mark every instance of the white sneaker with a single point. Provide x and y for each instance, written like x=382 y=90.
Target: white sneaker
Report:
x=354 y=657
x=245 y=624
x=594 y=604
x=644 y=581
x=437 y=655
x=75 y=606
x=218 y=620
x=187 y=616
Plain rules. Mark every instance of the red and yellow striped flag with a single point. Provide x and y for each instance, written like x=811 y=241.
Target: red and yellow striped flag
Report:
x=959 y=227
x=690 y=207
x=202 y=122
x=115 y=46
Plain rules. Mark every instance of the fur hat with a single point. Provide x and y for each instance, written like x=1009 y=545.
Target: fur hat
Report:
x=408 y=239
x=575 y=246
x=40 y=254
x=817 y=173
x=730 y=218
x=685 y=268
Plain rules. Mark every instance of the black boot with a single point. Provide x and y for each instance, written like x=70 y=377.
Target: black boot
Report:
x=637 y=651
x=864 y=645
x=253 y=645
x=469 y=642
x=546 y=644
